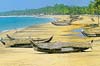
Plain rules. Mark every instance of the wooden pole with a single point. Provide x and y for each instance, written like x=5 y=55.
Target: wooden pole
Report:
x=98 y=19
x=98 y=12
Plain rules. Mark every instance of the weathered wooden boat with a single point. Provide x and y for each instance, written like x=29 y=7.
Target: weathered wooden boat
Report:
x=61 y=47
x=66 y=22
x=61 y=23
x=92 y=30
x=38 y=39
x=22 y=42
x=90 y=34
x=74 y=16
x=8 y=42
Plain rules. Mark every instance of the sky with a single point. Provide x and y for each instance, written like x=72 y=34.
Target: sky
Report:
x=8 y=5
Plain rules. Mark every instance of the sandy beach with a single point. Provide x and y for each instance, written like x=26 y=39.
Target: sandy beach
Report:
x=29 y=57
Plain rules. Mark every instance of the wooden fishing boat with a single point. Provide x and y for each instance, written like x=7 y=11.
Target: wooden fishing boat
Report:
x=23 y=42
x=74 y=16
x=61 y=47
x=61 y=23
x=92 y=30
x=66 y=22
x=38 y=39
x=90 y=34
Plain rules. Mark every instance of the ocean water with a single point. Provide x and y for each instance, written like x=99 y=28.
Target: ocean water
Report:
x=9 y=23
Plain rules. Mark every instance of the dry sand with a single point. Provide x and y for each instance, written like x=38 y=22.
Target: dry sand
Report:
x=29 y=57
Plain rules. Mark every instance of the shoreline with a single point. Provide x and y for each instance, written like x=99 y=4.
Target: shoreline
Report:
x=52 y=19
x=37 y=16
x=45 y=30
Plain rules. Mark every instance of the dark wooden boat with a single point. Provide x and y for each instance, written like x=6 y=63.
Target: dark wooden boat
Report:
x=66 y=22
x=38 y=39
x=74 y=16
x=22 y=42
x=61 y=47
x=92 y=30
x=90 y=34
x=61 y=23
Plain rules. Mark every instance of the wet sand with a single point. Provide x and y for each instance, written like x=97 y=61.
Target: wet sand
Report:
x=29 y=57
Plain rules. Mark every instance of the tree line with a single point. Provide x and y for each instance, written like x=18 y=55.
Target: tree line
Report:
x=58 y=9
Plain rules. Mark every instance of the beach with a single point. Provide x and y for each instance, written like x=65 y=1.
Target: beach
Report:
x=29 y=57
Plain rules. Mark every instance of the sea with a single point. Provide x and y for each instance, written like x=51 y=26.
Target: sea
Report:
x=10 y=23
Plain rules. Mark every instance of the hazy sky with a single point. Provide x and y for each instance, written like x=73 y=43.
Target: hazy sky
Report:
x=7 y=5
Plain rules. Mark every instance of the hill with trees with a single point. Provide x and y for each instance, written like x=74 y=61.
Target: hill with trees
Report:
x=58 y=9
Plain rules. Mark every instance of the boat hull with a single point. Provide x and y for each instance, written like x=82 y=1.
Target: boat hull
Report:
x=90 y=35
x=59 y=47
x=60 y=24
x=62 y=50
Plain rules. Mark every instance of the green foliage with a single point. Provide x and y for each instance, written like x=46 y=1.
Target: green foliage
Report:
x=95 y=6
x=58 y=9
